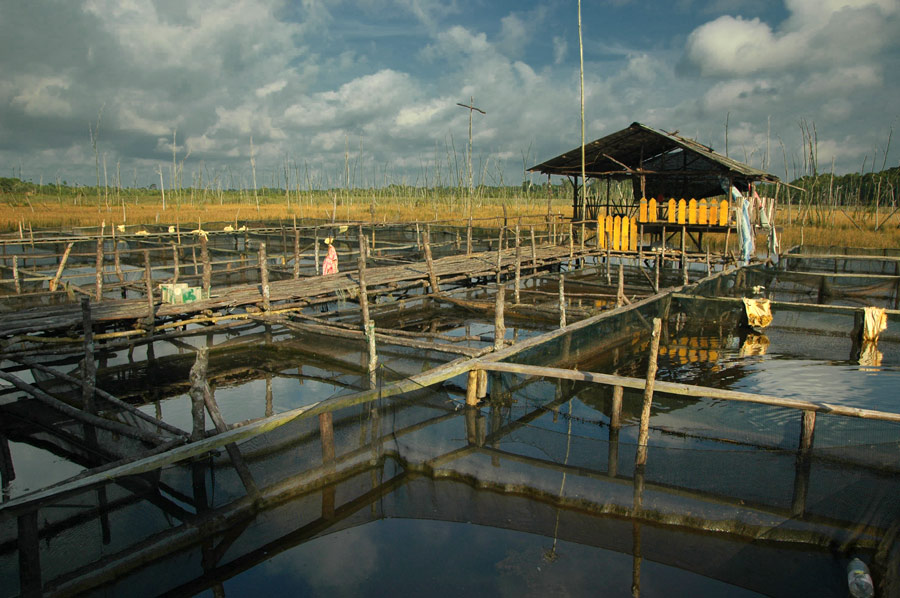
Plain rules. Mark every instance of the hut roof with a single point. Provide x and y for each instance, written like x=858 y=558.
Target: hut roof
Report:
x=671 y=165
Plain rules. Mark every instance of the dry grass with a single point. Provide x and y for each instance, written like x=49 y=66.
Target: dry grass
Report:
x=48 y=213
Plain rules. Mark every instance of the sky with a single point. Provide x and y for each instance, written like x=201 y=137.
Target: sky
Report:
x=366 y=90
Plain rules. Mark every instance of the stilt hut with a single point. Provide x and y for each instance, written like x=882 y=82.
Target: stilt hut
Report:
x=672 y=178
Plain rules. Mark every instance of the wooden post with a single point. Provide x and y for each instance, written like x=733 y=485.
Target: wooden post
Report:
x=518 y=265
x=117 y=264
x=807 y=429
x=644 y=431
x=608 y=261
x=88 y=366
x=499 y=326
x=641 y=244
x=207 y=267
x=472 y=388
x=264 y=276
x=16 y=274
x=99 y=268
x=685 y=279
x=534 y=264
x=571 y=244
x=582 y=237
x=620 y=291
x=368 y=325
x=562 y=301
x=62 y=264
x=296 y=251
x=194 y=259
x=482 y=386
x=148 y=283
x=432 y=278
x=175 y=264
x=316 y=249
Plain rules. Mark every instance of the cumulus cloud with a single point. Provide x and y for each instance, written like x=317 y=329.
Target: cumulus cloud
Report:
x=311 y=80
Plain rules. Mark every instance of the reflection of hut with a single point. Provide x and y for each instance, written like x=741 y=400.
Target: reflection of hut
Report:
x=660 y=165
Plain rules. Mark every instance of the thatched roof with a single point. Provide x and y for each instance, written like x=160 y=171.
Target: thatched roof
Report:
x=671 y=165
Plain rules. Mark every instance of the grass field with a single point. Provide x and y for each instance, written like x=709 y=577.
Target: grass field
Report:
x=841 y=227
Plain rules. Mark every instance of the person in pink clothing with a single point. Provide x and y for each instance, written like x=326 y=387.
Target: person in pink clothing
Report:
x=330 y=263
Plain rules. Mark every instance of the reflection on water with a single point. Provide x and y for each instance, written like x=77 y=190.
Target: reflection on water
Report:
x=535 y=492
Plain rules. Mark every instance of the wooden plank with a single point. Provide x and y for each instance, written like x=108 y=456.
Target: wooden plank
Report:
x=688 y=390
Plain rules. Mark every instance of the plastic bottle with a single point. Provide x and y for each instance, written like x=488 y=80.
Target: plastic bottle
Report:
x=859 y=580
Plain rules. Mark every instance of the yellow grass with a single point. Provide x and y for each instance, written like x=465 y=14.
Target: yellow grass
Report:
x=49 y=213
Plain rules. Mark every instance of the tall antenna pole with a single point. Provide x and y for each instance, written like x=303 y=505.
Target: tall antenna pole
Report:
x=471 y=107
x=581 y=58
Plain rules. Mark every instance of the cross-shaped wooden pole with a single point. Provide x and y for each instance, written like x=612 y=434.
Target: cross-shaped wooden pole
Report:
x=471 y=108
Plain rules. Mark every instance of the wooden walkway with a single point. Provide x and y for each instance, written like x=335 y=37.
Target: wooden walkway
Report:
x=449 y=269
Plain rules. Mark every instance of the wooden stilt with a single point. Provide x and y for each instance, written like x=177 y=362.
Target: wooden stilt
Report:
x=326 y=431
x=28 y=540
x=534 y=264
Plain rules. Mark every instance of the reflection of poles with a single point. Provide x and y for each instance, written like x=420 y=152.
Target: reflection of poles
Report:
x=7 y=470
x=202 y=395
x=29 y=555
x=615 y=422
x=641 y=459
